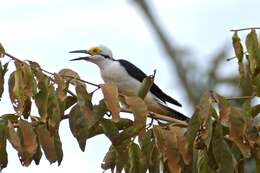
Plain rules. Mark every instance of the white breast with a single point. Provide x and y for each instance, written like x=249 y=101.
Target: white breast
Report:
x=114 y=72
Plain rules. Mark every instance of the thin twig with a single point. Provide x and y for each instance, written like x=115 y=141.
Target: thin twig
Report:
x=50 y=73
x=244 y=29
x=240 y=97
x=228 y=59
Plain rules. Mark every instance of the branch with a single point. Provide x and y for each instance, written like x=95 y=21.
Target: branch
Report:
x=244 y=29
x=50 y=73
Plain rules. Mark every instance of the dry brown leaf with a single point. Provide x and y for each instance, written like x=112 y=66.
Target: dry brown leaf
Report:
x=111 y=97
x=139 y=109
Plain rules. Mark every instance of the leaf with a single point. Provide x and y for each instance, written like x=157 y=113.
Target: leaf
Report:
x=69 y=101
x=166 y=142
x=110 y=93
x=110 y=130
x=204 y=107
x=224 y=110
x=84 y=102
x=41 y=97
x=193 y=127
x=27 y=108
x=38 y=155
x=3 y=70
x=238 y=127
x=58 y=148
x=145 y=86
x=109 y=161
x=3 y=136
x=70 y=75
x=134 y=153
x=62 y=87
x=253 y=51
x=53 y=111
x=29 y=83
x=28 y=142
x=10 y=117
x=16 y=91
x=47 y=142
x=238 y=48
x=139 y=109
x=182 y=143
x=13 y=137
x=2 y=51
x=222 y=152
x=202 y=162
x=255 y=110
x=155 y=160
x=79 y=126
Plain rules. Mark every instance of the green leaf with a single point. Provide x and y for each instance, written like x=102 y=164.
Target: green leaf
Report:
x=253 y=52
x=69 y=101
x=109 y=161
x=16 y=91
x=54 y=112
x=257 y=163
x=84 y=102
x=238 y=48
x=79 y=126
x=29 y=83
x=222 y=152
x=41 y=97
x=155 y=160
x=134 y=153
x=3 y=70
x=145 y=86
x=255 y=110
x=28 y=142
x=110 y=130
x=38 y=155
x=202 y=162
x=58 y=148
x=10 y=117
x=3 y=136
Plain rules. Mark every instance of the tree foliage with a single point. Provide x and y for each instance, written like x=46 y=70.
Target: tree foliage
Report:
x=219 y=137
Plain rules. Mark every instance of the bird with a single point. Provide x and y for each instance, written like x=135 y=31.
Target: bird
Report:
x=128 y=79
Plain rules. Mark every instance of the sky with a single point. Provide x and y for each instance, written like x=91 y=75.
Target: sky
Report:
x=46 y=30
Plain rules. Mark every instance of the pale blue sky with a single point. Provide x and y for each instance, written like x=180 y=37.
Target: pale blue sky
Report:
x=46 y=30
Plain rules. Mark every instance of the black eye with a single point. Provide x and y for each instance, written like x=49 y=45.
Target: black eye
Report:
x=105 y=56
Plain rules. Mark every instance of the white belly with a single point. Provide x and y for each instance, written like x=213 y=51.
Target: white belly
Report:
x=126 y=84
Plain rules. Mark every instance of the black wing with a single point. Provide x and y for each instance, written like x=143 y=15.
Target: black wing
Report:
x=140 y=75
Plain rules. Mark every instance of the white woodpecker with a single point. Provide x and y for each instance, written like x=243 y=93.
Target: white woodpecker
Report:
x=128 y=78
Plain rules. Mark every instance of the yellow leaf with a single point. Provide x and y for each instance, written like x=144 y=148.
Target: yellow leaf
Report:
x=110 y=93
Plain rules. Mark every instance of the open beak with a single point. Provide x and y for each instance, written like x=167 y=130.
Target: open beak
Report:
x=81 y=58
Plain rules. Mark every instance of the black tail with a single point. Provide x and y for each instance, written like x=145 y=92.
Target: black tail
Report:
x=175 y=114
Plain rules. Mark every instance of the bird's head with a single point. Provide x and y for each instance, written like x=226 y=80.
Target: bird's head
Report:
x=97 y=54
